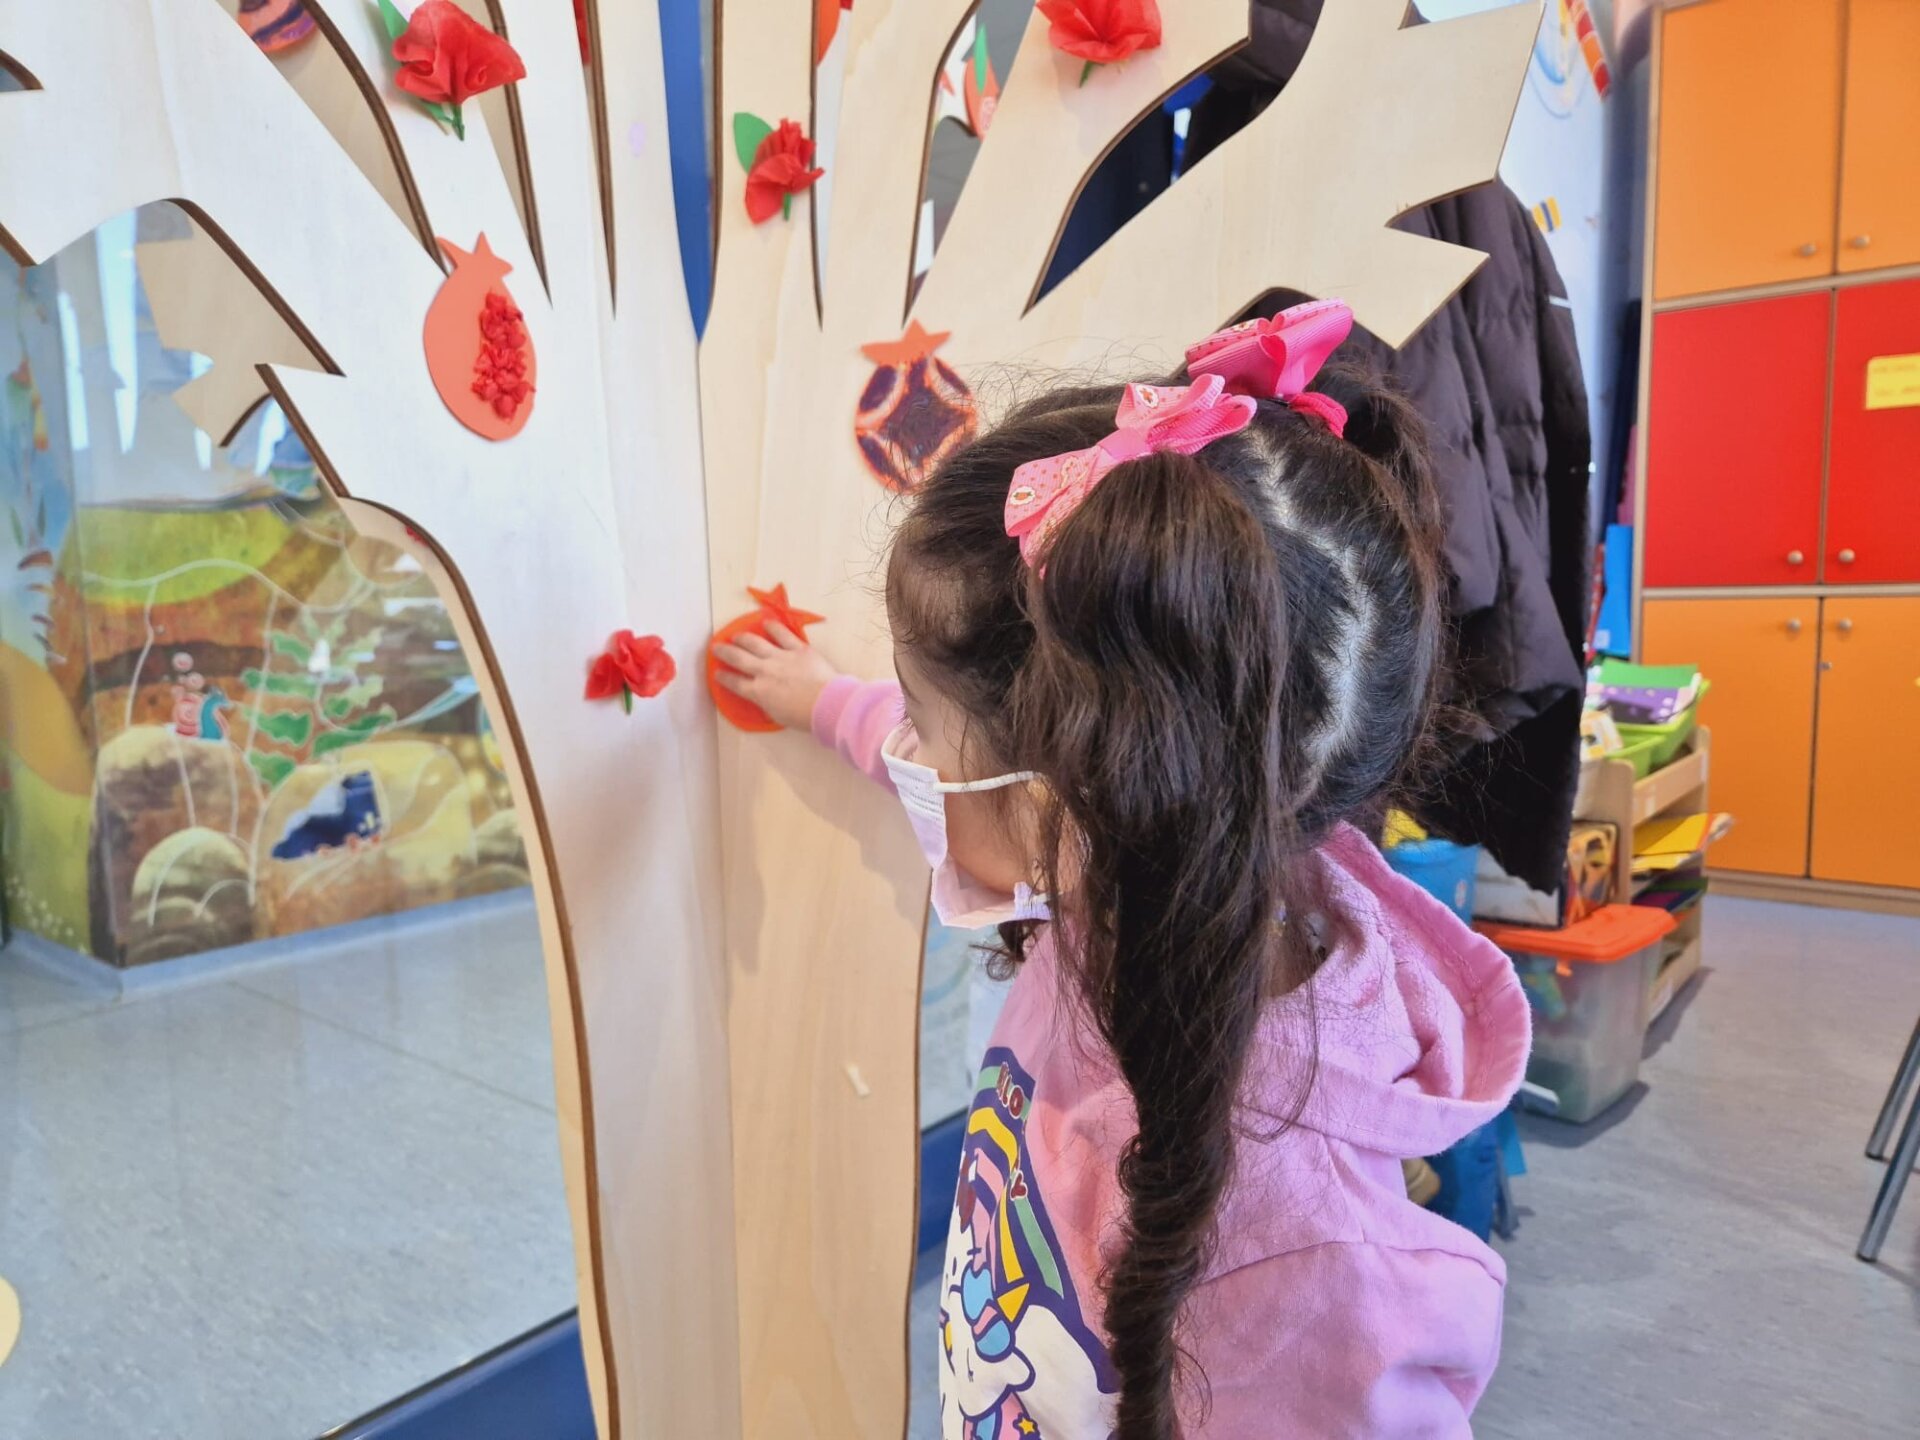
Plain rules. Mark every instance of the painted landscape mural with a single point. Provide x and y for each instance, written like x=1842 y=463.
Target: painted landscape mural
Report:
x=223 y=715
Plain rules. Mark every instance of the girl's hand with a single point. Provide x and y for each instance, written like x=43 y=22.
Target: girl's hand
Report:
x=783 y=676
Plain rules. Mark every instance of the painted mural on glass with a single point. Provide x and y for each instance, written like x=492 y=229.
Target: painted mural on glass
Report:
x=226 y=716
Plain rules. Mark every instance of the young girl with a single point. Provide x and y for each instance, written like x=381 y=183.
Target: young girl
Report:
x=1157 y=647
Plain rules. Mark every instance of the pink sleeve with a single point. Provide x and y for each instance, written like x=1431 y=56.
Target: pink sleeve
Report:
x=1350 y=1340
x=855 y=717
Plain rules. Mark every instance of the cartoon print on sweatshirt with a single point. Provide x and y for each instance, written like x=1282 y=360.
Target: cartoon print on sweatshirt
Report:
x=1019 y=1360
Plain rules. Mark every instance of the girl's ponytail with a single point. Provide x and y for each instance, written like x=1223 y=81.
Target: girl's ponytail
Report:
x=1152 y=702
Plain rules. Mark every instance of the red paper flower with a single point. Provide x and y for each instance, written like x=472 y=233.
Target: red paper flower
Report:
x=446 y=57
x=631 y=665
x=782 y=166
x=1101 y=32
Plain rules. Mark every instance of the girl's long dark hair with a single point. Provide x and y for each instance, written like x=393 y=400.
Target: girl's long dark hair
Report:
x=1227 y=654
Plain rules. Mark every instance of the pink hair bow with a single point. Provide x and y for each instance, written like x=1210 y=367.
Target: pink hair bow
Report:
x=1279 y=357
x=1151 y=419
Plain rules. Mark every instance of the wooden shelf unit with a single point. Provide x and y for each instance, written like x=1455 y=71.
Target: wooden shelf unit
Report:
x=1610 y=794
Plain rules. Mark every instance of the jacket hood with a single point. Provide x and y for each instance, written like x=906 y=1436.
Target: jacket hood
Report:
x=1416 y=1028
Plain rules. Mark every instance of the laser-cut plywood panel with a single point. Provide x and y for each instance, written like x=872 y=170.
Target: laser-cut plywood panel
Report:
x=732 y=925
x=825 y=890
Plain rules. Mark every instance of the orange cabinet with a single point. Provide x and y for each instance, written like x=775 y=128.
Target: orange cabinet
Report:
x=1879 y=159
x=1866 y=784
x=1760 y=656
x=1749 y=128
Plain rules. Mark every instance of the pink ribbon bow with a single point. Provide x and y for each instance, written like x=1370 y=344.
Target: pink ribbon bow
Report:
x=1152 y=419
x=1280 y=356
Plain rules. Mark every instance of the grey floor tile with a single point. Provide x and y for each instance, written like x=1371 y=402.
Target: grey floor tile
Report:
x=229 y=1220
x=469 y=997
x=30 y=995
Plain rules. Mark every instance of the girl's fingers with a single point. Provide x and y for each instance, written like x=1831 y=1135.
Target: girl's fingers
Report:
x=783 y=637
x=735 y=658
x=755 y=644
x=730 y=681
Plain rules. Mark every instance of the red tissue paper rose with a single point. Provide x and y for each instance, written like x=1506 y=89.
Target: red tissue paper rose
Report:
x=631 y=665
x=1101 y=32
x=782 y=166
x=446 y=57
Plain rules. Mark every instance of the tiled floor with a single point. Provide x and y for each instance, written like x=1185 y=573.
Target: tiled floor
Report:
x=1684 y=1267
x=256 y=1207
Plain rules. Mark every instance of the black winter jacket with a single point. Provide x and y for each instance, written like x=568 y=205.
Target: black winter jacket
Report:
x=1496 y=375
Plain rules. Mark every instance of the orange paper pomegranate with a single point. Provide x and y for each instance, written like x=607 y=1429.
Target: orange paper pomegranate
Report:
x=774 y=605
x=478 y=350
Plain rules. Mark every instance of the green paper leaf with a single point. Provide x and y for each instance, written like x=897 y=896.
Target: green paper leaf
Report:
x=748 y=131
x=1087 y=70
x=391 y=17
x=271 y=768
x=786 y=207
x=626 y=698
x=457 y=120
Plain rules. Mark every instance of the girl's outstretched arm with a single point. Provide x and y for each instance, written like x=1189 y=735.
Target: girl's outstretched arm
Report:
x=794 y=684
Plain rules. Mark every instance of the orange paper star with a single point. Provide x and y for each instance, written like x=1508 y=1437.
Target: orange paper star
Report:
x=913 y=345
x=774 y=605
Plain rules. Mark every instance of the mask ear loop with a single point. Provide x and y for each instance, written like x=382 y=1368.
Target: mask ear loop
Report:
x=975 y=787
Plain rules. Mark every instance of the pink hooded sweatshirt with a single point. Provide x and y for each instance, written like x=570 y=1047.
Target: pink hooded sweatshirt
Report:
x=1334 y=1306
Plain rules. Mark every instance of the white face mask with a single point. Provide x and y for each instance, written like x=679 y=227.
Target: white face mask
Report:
x=958 y=899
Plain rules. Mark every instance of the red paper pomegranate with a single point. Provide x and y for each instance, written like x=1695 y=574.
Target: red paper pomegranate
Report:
x=915 y=411
x=774 y=605
x=478 y=350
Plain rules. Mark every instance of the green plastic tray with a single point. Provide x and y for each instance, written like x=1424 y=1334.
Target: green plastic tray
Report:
x=1665 y=741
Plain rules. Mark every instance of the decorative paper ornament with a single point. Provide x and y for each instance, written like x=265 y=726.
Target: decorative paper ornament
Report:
x=1101 y=32
x=446 y=57
x=630 y=665
x=778 y=161
x=478 y=350
x=275 y=25
x=774 y=605
x=915 y=411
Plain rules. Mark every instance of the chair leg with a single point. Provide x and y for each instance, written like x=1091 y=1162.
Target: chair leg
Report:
x=1903 y=1079
x=1891 y=1185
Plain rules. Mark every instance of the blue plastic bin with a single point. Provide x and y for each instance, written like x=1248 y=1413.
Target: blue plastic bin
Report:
x=1441 y=868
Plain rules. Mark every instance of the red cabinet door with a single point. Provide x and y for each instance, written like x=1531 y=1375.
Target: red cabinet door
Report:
x=1873 y=485
x=1736 y=421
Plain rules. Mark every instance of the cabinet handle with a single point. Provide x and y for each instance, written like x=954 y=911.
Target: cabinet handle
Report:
x=1860 y=242
x=1845 y=557
x=1845 y=627
x=1793 y=626
x=1795 y=557
x=1808 y=250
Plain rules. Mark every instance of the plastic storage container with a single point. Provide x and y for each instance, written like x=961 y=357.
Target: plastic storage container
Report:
x=1441 y=868
x=1587 y=987
x=1661 y=742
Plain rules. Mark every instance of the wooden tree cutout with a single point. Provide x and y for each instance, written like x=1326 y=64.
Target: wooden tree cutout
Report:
x=732 y=923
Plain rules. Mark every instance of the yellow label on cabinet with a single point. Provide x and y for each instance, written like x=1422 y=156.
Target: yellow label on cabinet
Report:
x=1893 y=381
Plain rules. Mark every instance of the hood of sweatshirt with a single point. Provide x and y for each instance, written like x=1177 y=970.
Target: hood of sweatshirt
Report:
x=1413 y=1032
